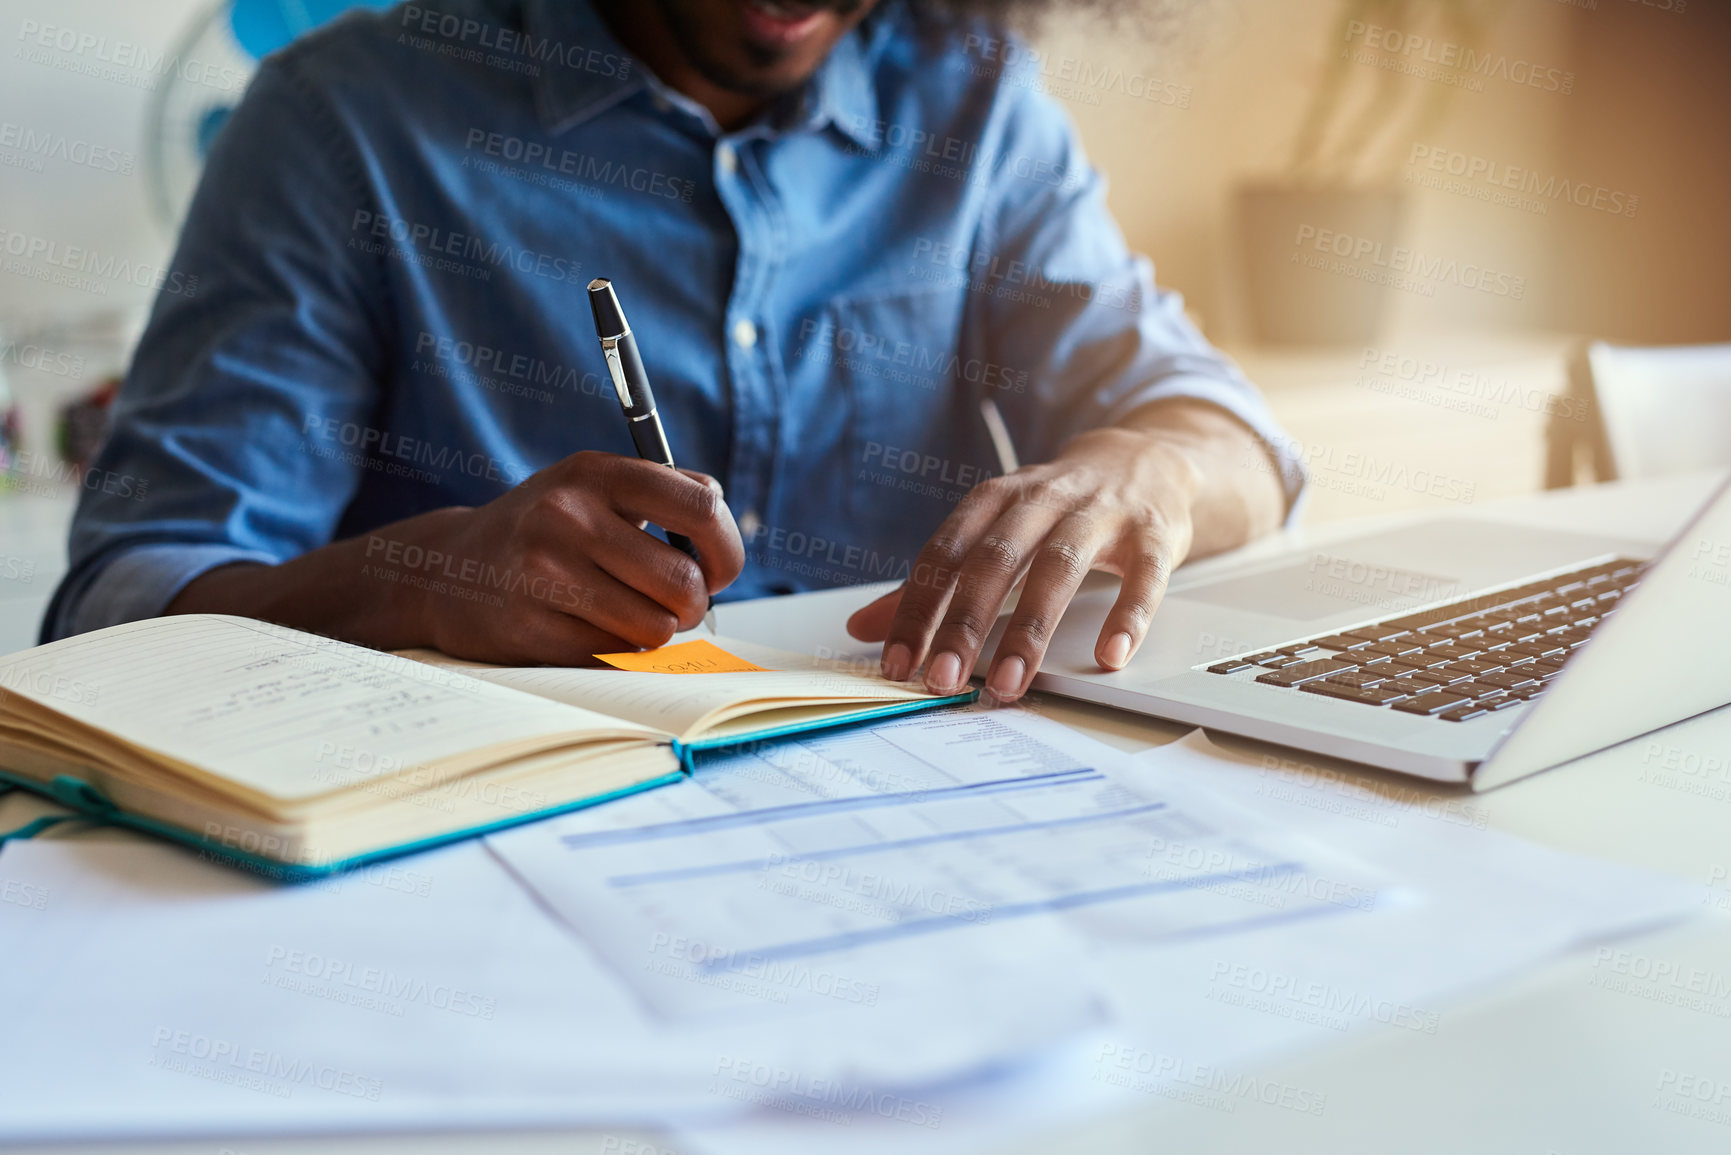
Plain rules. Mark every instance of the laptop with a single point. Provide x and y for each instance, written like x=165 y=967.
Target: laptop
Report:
x=1454 y=648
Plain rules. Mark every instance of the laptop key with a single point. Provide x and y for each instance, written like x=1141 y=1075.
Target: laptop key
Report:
x=1305 y=672
x=1359 y=679
x=1372 y=696
x=1395 y=648
x=1435 y=703
x=1483 y=622
x=1464 y=713
x=1232 y=667
x=1341 y=642
x=1475 y=667
x=1425 y=619
x=1507 y=679
x=1377 y=633
x=1442 y=677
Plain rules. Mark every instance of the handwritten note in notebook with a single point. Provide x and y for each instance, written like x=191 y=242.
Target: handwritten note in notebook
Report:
x=694 y=657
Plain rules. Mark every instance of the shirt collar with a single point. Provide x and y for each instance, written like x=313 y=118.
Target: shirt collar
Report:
x=584 y=70
x=843 y=92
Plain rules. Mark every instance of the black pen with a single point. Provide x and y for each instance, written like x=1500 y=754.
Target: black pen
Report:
x=631 y=382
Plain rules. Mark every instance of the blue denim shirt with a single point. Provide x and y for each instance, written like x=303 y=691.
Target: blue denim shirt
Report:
x=381 y=303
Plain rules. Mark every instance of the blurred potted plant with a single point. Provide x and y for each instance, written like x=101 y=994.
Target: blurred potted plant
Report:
x=1362 y=117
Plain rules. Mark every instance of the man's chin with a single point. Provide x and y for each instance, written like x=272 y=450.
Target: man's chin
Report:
x=785 y=25
x=758 y=75
x=758 y=48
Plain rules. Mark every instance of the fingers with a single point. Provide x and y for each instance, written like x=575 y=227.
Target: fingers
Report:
x=682 y=505
x=679 y=501
x=653 y=570
x=935 y=572
x=705 y=479
x=1140 y=594
x=1060 y=562
x=538 y=637
x=629 y=612
x=991 y=569
x=871 y=623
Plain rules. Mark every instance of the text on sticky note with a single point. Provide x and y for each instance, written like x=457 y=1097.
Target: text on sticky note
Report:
x=695 y=657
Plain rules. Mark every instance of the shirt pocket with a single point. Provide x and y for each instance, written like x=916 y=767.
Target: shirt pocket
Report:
x=915 y=439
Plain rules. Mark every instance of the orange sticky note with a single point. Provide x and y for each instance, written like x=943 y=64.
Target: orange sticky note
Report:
x=698 y=657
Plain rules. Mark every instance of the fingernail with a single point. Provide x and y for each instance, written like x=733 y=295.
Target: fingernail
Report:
x=1117 y=651
x=1006 y=681
x=896 y=663
x=945 y=674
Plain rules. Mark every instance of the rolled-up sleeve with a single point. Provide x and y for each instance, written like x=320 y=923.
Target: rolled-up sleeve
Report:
x=1076 y=314
x=268 y=324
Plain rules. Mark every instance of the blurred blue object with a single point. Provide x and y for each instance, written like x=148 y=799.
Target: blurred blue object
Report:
x=263 y=26
x=209 y=125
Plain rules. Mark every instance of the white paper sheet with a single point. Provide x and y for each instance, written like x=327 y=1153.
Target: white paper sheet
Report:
x=1460 y=907
x=434 y=992
x=941 y=878
x=154 y=994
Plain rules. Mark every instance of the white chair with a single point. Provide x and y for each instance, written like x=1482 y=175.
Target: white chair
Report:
x=1641 y=412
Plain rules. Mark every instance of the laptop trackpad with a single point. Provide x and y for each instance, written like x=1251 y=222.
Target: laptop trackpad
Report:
x=1323 y=586
x=1383 y=573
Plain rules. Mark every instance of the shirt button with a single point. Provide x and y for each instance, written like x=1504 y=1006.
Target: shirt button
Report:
x=660 y=103
x=749 y=524
x=726 y=157
x=744 y=333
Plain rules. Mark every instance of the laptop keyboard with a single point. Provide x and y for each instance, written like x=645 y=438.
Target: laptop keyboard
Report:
x=1463 y=660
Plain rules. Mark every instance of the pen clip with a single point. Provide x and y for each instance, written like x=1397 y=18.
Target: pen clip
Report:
x=610 y=350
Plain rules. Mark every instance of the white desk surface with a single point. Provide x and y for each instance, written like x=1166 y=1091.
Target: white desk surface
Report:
x=1558 y=1061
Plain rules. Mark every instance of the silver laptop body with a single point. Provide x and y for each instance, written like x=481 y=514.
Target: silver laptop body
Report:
x=1662 y=654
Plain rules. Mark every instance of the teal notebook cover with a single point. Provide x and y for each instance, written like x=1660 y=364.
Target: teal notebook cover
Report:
x=77 y=795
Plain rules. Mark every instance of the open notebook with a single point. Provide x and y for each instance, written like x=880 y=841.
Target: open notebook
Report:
x=300 y=756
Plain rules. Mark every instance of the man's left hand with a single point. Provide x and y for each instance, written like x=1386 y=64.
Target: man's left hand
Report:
x=1123 y=500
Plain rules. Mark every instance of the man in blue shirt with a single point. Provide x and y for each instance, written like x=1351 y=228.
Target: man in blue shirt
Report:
x=375 y=407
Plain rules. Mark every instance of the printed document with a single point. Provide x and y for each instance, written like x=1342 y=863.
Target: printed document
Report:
x=925 y=859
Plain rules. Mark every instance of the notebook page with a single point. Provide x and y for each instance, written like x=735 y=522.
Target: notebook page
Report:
x=677 y=702
x=285 y=713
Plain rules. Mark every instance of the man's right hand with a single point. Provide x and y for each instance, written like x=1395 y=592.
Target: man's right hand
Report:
x=553 y=572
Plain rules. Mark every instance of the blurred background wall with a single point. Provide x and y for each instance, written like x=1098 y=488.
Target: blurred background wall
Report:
x=1649 y=116
x=1624 y=102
